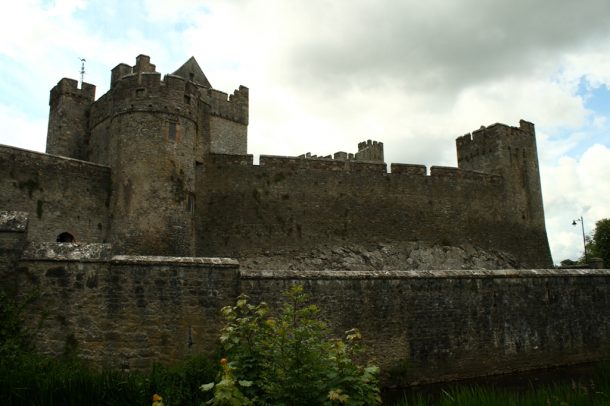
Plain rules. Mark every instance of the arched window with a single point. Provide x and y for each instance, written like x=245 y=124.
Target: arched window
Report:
x=65 y=237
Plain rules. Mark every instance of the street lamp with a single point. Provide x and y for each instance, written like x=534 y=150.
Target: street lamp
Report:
x=584 y=242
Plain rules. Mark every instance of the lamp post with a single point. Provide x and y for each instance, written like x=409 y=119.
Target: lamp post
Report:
x=584 y=241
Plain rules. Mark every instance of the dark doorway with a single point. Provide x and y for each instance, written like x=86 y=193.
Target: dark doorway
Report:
x=65 y=237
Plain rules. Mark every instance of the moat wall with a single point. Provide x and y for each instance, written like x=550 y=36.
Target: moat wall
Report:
x=445 y=325
x=420 y=326
x=123 y=311
x=293 y=204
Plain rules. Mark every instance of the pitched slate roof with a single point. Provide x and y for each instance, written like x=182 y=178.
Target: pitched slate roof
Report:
x=191 y=70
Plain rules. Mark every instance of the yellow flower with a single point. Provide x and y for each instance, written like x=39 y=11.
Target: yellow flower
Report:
x=337 y=395
x=157 y=398
x=223 y=361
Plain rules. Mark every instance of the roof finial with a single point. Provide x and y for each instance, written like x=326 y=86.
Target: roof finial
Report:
x=82 y=70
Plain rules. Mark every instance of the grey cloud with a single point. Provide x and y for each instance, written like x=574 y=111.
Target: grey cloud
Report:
x=441 y=48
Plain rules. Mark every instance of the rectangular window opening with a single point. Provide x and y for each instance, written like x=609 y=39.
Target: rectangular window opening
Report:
x=190 y=203
x=171 y=133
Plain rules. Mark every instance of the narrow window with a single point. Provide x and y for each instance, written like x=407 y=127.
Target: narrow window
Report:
x=187 y=99
x=140 y=92
x=190 y=203
x=171 y=134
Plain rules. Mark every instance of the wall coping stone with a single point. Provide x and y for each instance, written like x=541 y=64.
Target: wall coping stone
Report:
x=432 y=274
x=15 y=221
x=67 y=251
x=8 y=148
x=175 y=261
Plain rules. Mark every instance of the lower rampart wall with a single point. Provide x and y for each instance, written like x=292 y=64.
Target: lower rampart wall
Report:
x=123 y=311
x=59 y=194
x=420 y=326
x=430 y=326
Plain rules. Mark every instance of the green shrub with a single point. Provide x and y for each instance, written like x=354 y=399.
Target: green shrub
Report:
x=14 y=339
x=288 y=359
x=179 y=384
x=33 y=379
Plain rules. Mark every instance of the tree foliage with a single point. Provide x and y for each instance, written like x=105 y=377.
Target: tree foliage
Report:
x=288 y=359
x=600 y=242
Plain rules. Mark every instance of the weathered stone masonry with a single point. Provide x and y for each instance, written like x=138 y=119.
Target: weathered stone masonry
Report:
x=60 y=194
x=424 y=326
x=154 y=181
x=160 y=167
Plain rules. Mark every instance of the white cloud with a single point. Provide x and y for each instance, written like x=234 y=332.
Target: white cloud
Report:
x=574 y=188
x=22 y=131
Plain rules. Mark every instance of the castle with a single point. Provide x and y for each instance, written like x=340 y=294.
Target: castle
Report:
x=154 y=182
x=160 y=167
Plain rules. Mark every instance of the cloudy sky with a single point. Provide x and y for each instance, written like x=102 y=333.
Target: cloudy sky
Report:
x=326 y=74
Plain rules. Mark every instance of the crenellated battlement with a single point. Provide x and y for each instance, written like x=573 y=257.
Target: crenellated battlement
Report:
x=141 y=86
x=494 y=142
x=150 y=85
x=146 y=91
x=233 y=107
x=324 y=164
x=370 y=151
x=142 y=65
x=367 y=151
x=327 y=164
x=408 y=169
x=69 y=87
x=446 y=172
x=220 y=120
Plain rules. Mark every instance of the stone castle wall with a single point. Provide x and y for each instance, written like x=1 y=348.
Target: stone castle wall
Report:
x=173 y=192
x=60 y=194
x=445 y=325
x=125 y=311
x=293 y=204
x=424 y=326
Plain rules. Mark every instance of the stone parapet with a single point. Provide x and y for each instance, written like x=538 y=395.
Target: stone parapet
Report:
x=13 y=221
x=62 y=251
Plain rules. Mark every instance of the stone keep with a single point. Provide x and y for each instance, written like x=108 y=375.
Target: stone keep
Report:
x=151 y=132
x=159 y=166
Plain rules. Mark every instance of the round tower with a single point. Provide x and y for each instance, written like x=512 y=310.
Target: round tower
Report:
x=511 y=152
x=151 y=129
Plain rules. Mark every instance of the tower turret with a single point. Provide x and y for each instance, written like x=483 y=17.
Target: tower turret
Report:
x=227 y=121
x=370 y=151
x=150 y=127
x=511 y=152
x=68 y=131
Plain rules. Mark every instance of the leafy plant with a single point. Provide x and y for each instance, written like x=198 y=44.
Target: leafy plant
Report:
x=289 y=359
x=14 y=339
x=600 y=242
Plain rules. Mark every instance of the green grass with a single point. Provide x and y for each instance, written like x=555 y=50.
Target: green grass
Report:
x=594 y=391
x=30 y=379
